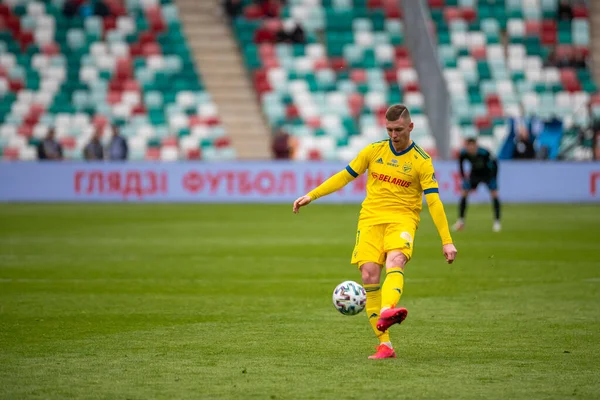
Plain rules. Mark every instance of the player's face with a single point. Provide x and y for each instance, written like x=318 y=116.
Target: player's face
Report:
x=471 y=148
x=399 y=131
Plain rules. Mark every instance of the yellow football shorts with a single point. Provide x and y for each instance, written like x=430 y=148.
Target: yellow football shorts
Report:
x=373 y=242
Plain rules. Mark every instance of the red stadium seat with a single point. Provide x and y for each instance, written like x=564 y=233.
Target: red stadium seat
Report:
x=51 y=49
x=569 y=80
x=68 y=143
x=355 y=103
x=222 y=142
x=196 y=120
x=483 y=122
x=153 y=154
x=338 y=64
x=139 y=110
x=15 y=85
x=131 y=86
x=10 y=153
x=291 y=112
x=4 y=10
x=253 y=11
x=595 y=99
x=401 y=51
x=548 y=38
x=468 y=14
x=113 y=97
x=271 y=63
x=109 y=23
x=169 y=141
x=549 y=25
x=451 y=14
x=266 y=50
x=212 y=121
x=492 y=100
x=495 y=111
x=193 y=154
x=533 y=27
x=374 y=3
x=314 y=155
x=264 y=35
x=358 y=75
x=26 y=130
x=313 y=122
x=151 y=49
x=412 y=87
x=580 y=11
x=99 y=121
x=390 y=75
x=479 y=53
x=321 y=63
x=403 y=62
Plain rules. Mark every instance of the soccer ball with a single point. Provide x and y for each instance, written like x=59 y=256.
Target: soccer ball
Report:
x=349 y=298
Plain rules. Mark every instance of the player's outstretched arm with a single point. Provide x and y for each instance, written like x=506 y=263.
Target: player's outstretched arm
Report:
x=436 y=209
x=331 y=185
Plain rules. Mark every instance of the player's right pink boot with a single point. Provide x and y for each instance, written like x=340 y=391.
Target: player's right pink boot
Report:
x=390 y=317
x=383 y=351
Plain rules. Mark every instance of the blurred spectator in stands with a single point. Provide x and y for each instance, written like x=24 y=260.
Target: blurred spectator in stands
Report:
x=524 y=149
x=101 y=9
x=292 y=33
x=232 y=8
x=563 y=60
x=282 y=148
x=49 y=148
x=93 y=150
x=117 y=147
x=565 y=11
x=71 y=8
x=551 y=61
x=597 y=146
x=579 y=60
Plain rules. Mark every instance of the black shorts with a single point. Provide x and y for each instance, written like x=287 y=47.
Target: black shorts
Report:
x=474 y=181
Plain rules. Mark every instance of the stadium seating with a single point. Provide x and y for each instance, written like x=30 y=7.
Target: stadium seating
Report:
x=490 y=82
x=131 y=69
x=331 y=94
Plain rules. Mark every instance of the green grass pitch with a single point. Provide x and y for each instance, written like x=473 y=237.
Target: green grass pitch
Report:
x=208 y=301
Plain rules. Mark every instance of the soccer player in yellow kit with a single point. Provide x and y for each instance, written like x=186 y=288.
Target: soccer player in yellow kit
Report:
x=399 y=173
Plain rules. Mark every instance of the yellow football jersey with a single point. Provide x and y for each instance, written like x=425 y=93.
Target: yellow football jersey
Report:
x=396 y=182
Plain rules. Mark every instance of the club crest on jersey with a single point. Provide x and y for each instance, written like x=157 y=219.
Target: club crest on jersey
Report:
x=380 y=161
x=407 y=167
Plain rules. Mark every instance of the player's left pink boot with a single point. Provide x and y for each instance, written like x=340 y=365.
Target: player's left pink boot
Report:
x=390 y=317
x=383 y=351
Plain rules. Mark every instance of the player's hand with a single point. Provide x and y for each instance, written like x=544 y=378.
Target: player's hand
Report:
x=300 y=202
x=449 y=252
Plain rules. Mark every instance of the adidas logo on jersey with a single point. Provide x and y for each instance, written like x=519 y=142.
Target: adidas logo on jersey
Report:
x=380 y=161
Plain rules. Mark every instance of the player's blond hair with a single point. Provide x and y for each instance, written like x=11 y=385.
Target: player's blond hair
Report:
x=396 y=112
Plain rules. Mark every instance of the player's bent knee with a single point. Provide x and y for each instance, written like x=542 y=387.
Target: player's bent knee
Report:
x=370 y=272
x=397 y=260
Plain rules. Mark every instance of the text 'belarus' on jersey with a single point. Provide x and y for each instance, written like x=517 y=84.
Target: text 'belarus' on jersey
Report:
x=396 y=182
